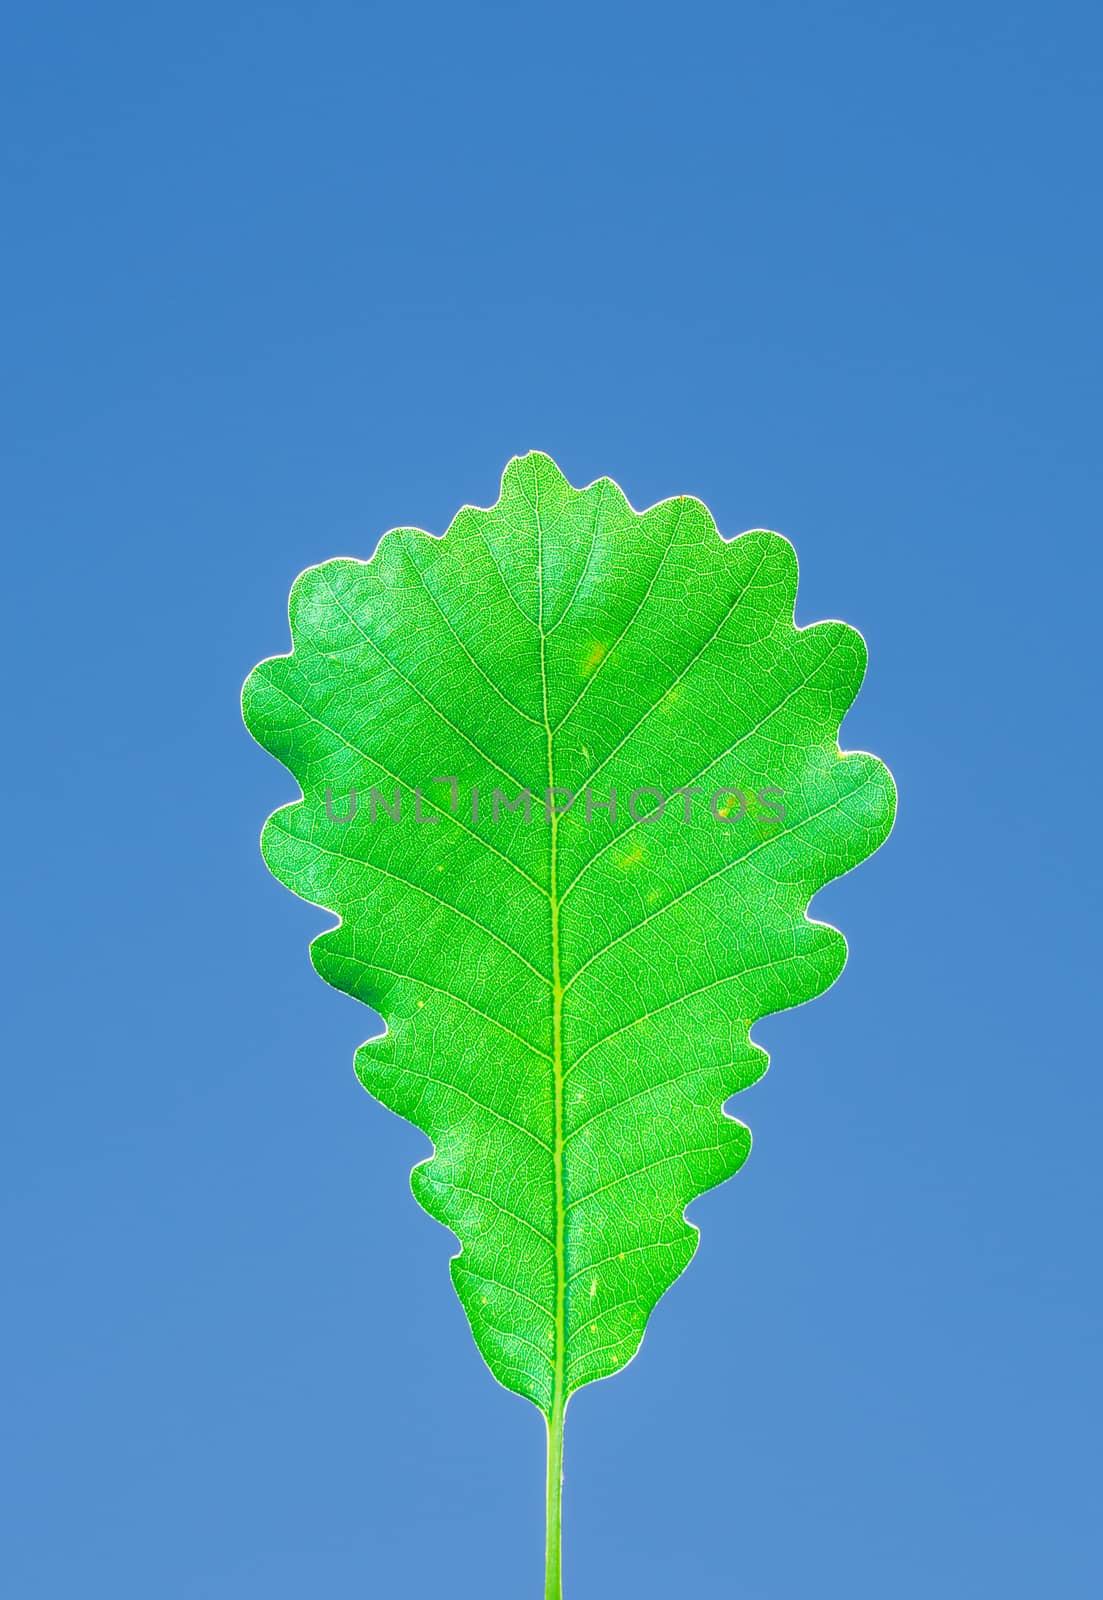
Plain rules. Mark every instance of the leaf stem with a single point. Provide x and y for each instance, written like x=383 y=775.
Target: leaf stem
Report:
x=553 y=1581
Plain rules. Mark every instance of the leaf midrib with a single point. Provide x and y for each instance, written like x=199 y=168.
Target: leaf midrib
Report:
x=559 y=1398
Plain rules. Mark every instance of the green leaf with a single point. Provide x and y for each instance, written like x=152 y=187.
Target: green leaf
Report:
x=568 y=999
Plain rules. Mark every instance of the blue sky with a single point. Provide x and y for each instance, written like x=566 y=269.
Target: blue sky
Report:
x=279 y=277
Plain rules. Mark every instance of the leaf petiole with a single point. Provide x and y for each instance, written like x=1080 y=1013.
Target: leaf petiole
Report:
x=553 y=1581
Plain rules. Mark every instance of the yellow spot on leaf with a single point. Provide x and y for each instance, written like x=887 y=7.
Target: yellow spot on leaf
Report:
x=634 y=855
x=592 y=657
